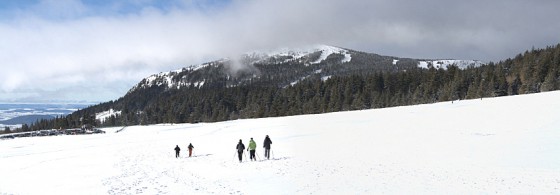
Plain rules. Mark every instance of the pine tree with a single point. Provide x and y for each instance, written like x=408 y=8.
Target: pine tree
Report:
x=550 y=82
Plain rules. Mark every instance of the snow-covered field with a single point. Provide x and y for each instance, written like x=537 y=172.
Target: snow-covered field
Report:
x=507 y=145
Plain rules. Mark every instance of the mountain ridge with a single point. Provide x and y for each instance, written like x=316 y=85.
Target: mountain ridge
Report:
x=310 y=56
x=293 y=84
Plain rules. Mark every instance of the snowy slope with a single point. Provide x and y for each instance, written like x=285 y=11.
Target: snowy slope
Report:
x=462 y=64
x=102 y=116
x=295 y=54
x=300 y=55
x=207 y=74
x=326 y=51
x=506 y=145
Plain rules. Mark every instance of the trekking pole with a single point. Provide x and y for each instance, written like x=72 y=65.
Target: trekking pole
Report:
x=234 y=156
x=245 y=156
x=258 y=155
x=272 y=153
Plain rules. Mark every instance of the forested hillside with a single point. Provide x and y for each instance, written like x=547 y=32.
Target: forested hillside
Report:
x=268 y=90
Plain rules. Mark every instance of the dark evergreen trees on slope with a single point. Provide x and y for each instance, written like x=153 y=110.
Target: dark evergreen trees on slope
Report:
x=348 y=88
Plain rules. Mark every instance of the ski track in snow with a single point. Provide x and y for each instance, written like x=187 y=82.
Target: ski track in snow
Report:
x=139 y=177
x=143 y=174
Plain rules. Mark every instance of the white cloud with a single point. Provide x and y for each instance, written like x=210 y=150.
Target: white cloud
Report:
x=72 y=44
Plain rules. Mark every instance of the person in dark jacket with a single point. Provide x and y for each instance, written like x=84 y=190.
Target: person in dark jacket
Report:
x=240 y=147
x=190 y=149
x=177 y=149
x=266 y=146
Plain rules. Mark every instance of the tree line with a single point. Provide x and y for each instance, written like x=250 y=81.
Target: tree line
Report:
x=533 y=71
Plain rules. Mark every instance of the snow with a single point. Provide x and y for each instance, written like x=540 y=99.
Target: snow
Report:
x=326 y=51
x=198 y=67
x=347 y=57
x=154 y=80
x=199 y=84
x=165 y=78
x=462 y=64
x=298 y=53
x=395 y=61
x=506 y=145
x=102 y=116
x=295 y=54
x=297 y=81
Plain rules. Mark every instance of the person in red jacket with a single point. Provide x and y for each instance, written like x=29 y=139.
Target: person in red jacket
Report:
x=190 y=149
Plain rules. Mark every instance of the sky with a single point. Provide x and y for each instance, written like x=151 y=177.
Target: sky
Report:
x=96 y=50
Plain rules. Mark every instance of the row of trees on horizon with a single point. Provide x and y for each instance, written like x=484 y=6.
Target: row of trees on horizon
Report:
x=533 y=71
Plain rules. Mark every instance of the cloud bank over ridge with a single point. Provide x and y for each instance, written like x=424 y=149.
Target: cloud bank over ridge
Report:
x=96 y=50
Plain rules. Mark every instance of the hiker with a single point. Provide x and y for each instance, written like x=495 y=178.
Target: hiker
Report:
x=177 y=149
x=251 y=149
x=266 y=146
x=190 y=149
x=240 y=148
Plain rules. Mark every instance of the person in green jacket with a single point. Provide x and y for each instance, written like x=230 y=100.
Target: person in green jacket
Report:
x=251 y=149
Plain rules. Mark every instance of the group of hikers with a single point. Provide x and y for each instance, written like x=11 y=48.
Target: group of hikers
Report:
x=177 y=150
x=252 y=147
x=240 y=149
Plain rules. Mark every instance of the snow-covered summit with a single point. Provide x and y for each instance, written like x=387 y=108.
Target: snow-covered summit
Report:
x=302 y=63
x=326 y=51
x=306 y=56
x=162 y=78
x=283 y=55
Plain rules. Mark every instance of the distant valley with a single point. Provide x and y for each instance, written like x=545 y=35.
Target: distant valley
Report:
x=16 y=114
x=27 y=119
